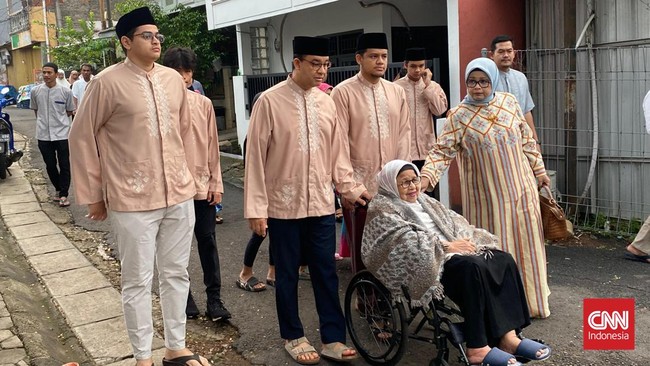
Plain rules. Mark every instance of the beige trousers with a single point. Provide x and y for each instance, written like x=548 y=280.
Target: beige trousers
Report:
x=164 y=235
x=642 y=239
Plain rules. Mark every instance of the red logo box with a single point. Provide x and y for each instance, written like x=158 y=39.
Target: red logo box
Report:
x=608 y=324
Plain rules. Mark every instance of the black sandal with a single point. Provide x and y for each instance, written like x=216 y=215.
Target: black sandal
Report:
x=250 y=284
x=182 y=360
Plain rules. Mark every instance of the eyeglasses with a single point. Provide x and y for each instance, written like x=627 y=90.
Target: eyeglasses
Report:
x=407 y=183
x=148 y=36
x=317 y=65
x=482 y=83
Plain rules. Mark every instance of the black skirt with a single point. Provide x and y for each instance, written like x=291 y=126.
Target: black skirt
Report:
x=489 y=293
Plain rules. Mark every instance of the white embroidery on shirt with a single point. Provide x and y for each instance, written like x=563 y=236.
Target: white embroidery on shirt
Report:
x=202 y=179
x=363 y=175
x=183 y=172
x=137 y=181
x=152 y=116
x=287 y=194
x=377 y=111
x=163 y=105
x=308 y=126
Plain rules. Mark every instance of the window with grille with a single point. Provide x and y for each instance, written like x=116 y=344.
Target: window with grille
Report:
x=259 y=51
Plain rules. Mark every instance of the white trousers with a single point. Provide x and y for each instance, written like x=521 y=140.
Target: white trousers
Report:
x=642 y=239
x=164 y=235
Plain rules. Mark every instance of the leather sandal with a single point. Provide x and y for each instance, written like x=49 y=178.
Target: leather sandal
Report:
x=295 y=350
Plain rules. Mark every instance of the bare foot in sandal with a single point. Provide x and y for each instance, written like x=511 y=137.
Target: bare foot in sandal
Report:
x=302 y=351
x=183 y=357
x=339 y=352
x=251 y=284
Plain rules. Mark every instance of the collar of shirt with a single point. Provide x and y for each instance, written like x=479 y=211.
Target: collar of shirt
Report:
x=367 y=83
x=295 y=87
x=136 y=69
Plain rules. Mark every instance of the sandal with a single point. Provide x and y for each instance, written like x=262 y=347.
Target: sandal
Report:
x=249 y=285
x=528 y=349
x=63 y=202
x=304 y=275
x=182 y=360
x=270 y=282
x=497 y=357
x=334 y=351
x=300 y=347
x=218 y=220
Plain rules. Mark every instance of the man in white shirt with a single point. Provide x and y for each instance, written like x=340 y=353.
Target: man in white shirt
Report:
x=511 y=80
x=52 y=104
x=79 y=86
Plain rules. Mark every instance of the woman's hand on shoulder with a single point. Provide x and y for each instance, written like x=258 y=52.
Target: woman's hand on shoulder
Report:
x=460 y=246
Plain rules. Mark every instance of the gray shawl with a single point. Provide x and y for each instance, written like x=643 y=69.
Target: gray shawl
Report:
x=399 y=250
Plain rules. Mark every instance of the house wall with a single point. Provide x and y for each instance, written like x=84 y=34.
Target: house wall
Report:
x=24 y=61
x=349 y=16
x=476 y=32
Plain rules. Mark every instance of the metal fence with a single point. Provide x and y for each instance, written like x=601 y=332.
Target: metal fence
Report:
x=590 y=121
x=258 y=83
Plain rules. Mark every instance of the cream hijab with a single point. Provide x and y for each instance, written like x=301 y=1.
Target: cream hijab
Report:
x=387 y=177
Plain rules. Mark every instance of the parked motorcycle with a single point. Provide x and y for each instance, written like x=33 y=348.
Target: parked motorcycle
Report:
x=8 y=154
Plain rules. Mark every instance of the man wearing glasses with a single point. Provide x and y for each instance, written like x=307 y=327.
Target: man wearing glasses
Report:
x=294 y=152
x=374 y=119
x=132 y=156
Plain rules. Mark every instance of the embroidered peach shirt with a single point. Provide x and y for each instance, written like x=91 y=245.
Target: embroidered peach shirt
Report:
x=206 y=146
x=374 y=120
x=130 y=143
x=294 y=152
x=424 y=101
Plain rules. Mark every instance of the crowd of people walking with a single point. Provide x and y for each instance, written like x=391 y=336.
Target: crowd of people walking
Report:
x=143 y=151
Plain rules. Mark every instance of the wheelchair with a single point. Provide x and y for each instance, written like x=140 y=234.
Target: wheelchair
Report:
x=380 y=328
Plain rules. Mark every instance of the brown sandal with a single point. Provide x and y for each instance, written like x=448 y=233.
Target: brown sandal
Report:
x=300 y=347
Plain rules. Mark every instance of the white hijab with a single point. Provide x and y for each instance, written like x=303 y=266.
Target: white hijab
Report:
x=387 y=177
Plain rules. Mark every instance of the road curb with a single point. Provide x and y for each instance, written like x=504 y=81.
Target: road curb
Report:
x=85 y=298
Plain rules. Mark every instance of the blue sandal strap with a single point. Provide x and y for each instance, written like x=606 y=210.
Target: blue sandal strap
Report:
x=497 y=357
x=528 y=349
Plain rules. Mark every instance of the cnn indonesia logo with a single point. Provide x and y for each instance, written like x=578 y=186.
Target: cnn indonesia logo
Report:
x=608 y=324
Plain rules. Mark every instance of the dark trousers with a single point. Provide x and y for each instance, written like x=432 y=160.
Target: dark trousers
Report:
x=489 y=293
x=314 y=239
x=252 y=248
x=56 y=156
x=204 y=230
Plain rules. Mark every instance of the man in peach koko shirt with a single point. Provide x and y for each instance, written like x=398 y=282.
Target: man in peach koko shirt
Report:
x=132 y=157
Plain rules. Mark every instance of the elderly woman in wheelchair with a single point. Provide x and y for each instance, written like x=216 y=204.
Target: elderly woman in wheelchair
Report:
x=422 y=251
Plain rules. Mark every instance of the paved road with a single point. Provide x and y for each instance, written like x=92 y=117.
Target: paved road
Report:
x=575 y=273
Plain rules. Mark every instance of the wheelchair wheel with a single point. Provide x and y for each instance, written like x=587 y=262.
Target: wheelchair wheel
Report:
x=378 y=328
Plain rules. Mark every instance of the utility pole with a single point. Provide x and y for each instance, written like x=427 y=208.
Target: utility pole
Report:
x=47 y=33
x=102 y=14
x=109 y=18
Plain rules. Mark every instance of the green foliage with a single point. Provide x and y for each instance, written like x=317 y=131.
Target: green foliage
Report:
x=184 y=27
x=76 y=45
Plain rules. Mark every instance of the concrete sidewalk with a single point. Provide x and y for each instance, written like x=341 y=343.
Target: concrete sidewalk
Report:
x=12 y=350
x=91 y=306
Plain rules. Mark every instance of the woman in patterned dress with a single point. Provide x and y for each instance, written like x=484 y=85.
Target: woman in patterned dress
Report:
x=500 y=173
